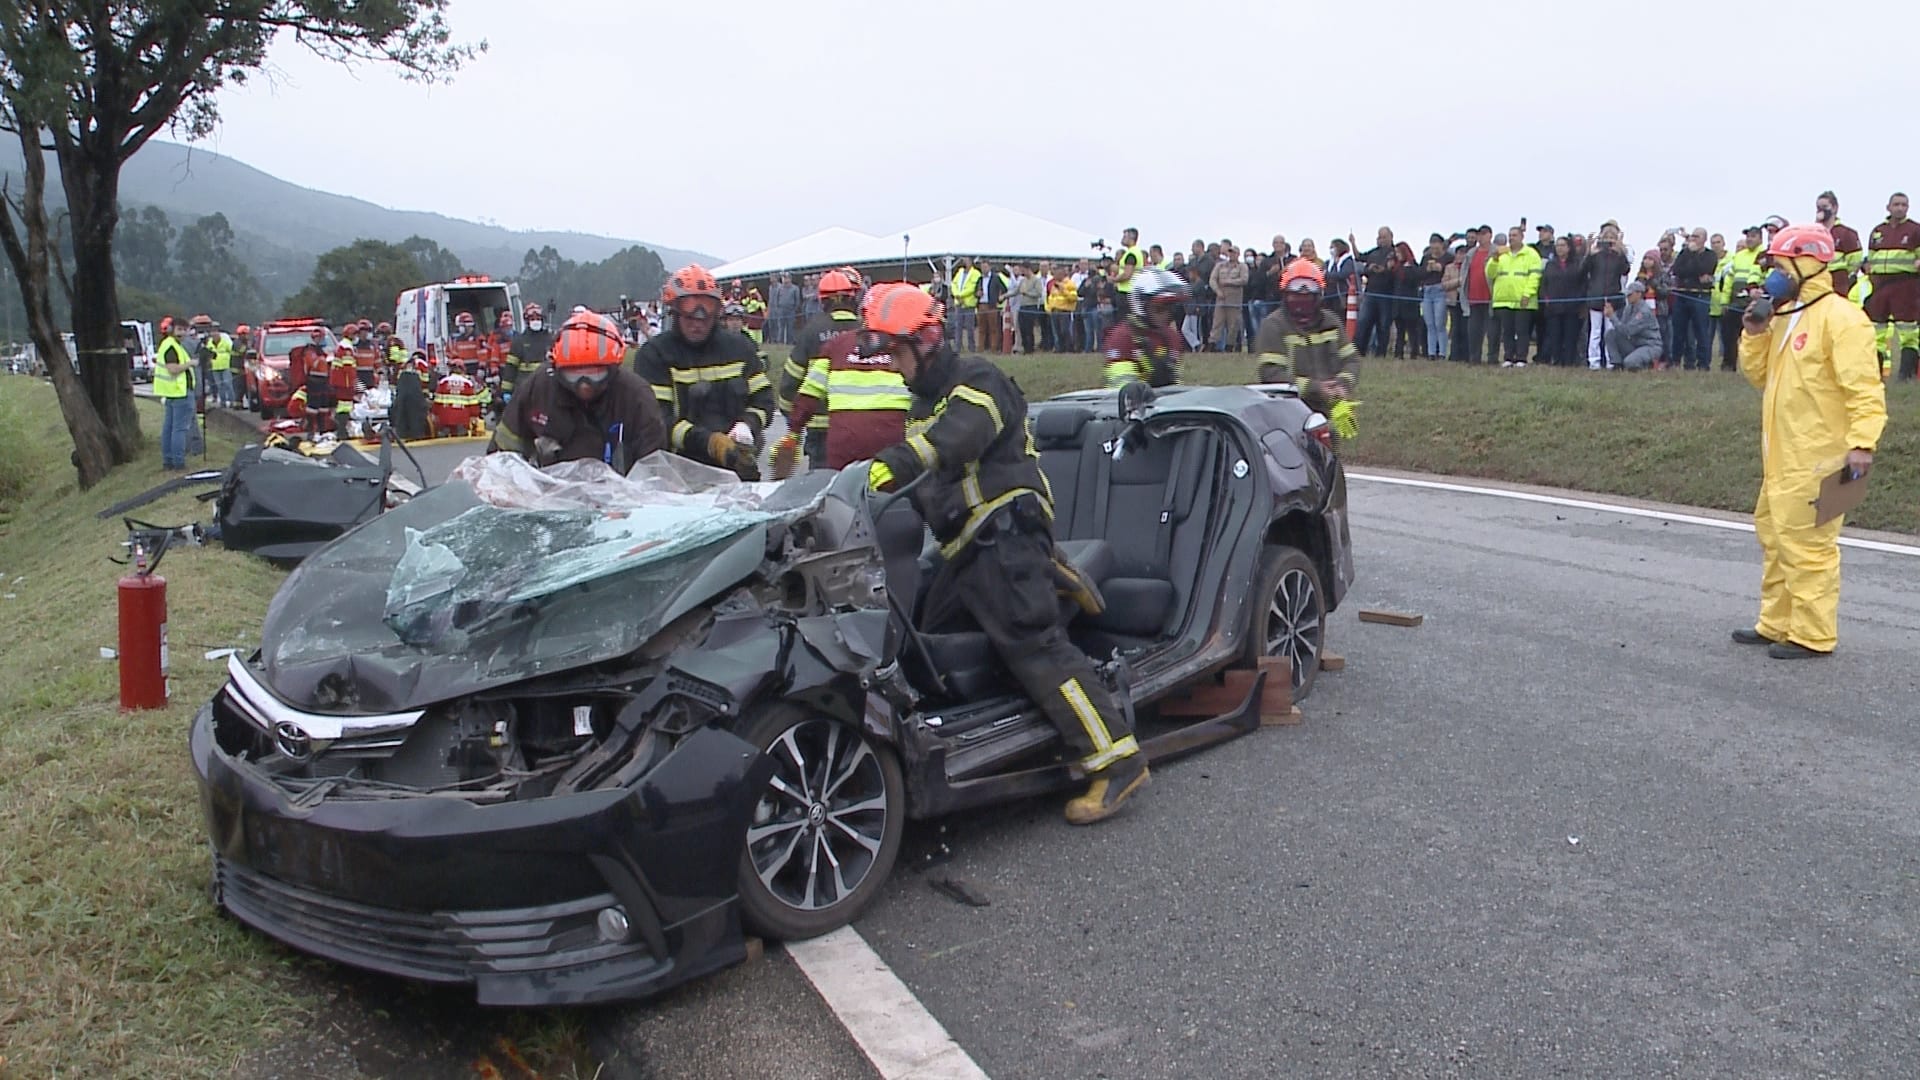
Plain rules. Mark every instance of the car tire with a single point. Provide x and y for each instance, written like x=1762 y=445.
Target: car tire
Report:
x=1290 y=615
x=787 y=890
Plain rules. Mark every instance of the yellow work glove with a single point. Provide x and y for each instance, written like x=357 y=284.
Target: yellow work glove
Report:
x=786 y=456
x=1341 y=417
x=879 y=477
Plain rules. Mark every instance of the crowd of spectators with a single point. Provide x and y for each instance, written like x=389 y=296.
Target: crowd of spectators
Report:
x=1474 y=296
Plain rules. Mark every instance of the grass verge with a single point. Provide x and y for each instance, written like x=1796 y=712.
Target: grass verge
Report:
x=112 y=960
x=1674 y=437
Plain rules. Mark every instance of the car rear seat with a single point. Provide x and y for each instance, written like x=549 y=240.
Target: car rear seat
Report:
x=1151 y=493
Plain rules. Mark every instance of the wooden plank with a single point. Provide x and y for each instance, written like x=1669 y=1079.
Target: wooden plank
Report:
x=1332 y=662
x=1285 y=719
x=1391 y=618
x=1211 y=697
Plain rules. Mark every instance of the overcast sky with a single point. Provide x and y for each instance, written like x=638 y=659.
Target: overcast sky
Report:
x=670 y=123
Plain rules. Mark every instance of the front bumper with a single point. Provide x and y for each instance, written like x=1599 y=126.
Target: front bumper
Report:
x=503 y=898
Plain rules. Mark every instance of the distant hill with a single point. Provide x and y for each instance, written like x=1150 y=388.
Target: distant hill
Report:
x=281 y=227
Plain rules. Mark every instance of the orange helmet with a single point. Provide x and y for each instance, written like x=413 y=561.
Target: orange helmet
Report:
x=464 y=318
x=384 y=328
x=1303 y=276
x=836 y=283
x=166 y=324
x=690 y=281
x=898 y=311
x=1815 y=241
x=243 y=329
x=588 y=340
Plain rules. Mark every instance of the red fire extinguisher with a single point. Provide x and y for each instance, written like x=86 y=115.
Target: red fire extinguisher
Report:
x=143 y=637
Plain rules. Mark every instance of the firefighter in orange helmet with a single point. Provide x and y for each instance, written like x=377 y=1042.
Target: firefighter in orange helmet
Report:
x=711 y=384
x=584 y=403
x=987 y=503
x=839 y=292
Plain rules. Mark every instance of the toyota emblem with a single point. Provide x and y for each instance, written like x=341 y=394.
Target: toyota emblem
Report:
x=289 y=739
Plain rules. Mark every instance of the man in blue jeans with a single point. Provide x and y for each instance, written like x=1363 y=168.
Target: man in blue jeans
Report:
x=170 y=375
x=1693 y=270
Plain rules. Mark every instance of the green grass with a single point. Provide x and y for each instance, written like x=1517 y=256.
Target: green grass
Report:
x=113 y=961
x=1673 y=437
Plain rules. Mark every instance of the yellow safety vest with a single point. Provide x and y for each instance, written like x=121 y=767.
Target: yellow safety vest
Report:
x=223 y=353
x=171 y=386
x=1138 y=259
x=966 y=287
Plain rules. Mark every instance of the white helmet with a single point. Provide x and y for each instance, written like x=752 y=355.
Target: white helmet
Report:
x=1155 y=283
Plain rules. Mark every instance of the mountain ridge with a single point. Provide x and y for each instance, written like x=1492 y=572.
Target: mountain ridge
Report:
x=281 y=227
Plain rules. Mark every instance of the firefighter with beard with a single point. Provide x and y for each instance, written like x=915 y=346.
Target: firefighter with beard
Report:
x=711 y=384
x=1145 y=346
x=988 y=505
x=583 y=404
x=839 y=292
x=1305 y=344
x=527 y=352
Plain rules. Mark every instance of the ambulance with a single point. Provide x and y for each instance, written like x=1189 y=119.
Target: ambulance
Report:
x=423 y=317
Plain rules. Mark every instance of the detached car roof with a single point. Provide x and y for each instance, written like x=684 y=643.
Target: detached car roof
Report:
x=1247 y=403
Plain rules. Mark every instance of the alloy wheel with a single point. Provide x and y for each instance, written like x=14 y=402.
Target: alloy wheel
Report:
x=819 y=827
x=1293 y=623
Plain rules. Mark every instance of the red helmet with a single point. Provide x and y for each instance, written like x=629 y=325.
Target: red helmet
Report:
x=464 y=318
x=532 y=311
x=588 y=340
x=1310 y=278
x=243 y=329
x=836 y=283
x=384 y=328
x=899 y=311
x=1815 y=241
x=690 y=281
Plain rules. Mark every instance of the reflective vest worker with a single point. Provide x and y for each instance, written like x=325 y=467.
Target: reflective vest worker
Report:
x=863 y=398
x=468 y=347
x=343 y=376
x=756 y=314
x=964 y=287
x=584 y=404
x=1129 y=262
x=1823 y=407
x=1305 y=344
x=839 y=297
x=988 y=505
x=170 y=374
x=1145 y=346
x=711 y=384
x=1847 y=252
x=456 y=405
x=528 y=351
x=1893 y=262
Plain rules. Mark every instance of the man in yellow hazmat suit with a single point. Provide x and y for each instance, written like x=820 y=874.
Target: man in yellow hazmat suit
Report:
x=1812 y=356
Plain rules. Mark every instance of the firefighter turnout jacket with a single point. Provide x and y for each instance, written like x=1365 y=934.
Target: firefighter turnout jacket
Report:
x=976 y=444
x=1147 y=354
x=547 y=423
x=706 y=389
x=863 y=399
x=526 y=354
x=1307 y=358
x=810 y=345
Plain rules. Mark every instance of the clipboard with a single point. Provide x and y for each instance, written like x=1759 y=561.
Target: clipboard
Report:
x=1840 y=492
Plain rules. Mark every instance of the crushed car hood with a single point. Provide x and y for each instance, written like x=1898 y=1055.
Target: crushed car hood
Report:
x=502 y=574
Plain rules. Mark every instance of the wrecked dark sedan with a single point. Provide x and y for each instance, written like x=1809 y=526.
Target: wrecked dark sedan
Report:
x=570 y=736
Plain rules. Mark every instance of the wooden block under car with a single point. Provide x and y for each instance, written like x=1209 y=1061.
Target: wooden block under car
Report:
x=1391 y=618
x=1225 y=692
x=1332 y=662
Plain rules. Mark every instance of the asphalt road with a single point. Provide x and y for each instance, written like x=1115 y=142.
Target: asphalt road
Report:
x=1565 y=827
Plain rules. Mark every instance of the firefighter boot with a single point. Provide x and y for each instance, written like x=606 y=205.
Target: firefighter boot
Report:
x=1746 y=636
x=1111 y=786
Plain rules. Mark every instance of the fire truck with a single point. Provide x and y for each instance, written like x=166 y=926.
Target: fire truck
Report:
x=424 y=317
x=271 y=375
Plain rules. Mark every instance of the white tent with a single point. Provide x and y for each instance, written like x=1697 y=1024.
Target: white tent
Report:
x=993 y=231
x=825 y=248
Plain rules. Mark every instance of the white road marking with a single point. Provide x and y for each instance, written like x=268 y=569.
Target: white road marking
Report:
x=897 y=1033
x=1615 y=508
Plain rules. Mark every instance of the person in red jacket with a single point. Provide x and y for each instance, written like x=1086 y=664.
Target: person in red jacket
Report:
x=863 y=398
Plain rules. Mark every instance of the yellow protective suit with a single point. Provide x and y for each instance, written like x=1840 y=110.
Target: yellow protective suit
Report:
x=1823 y=396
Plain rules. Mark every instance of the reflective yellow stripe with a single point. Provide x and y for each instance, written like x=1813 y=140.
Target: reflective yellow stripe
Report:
x=680 y=430
x=760 y=415
x=984 y=511
x=1122 y=372
x=923 y=449
x=663 y=393
x=1100 y=759
x=758 y=381
x=716 y=373
x=982 y=399
x=970 y=484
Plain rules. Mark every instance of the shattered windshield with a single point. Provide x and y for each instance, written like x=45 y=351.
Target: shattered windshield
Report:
x=503 y=573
